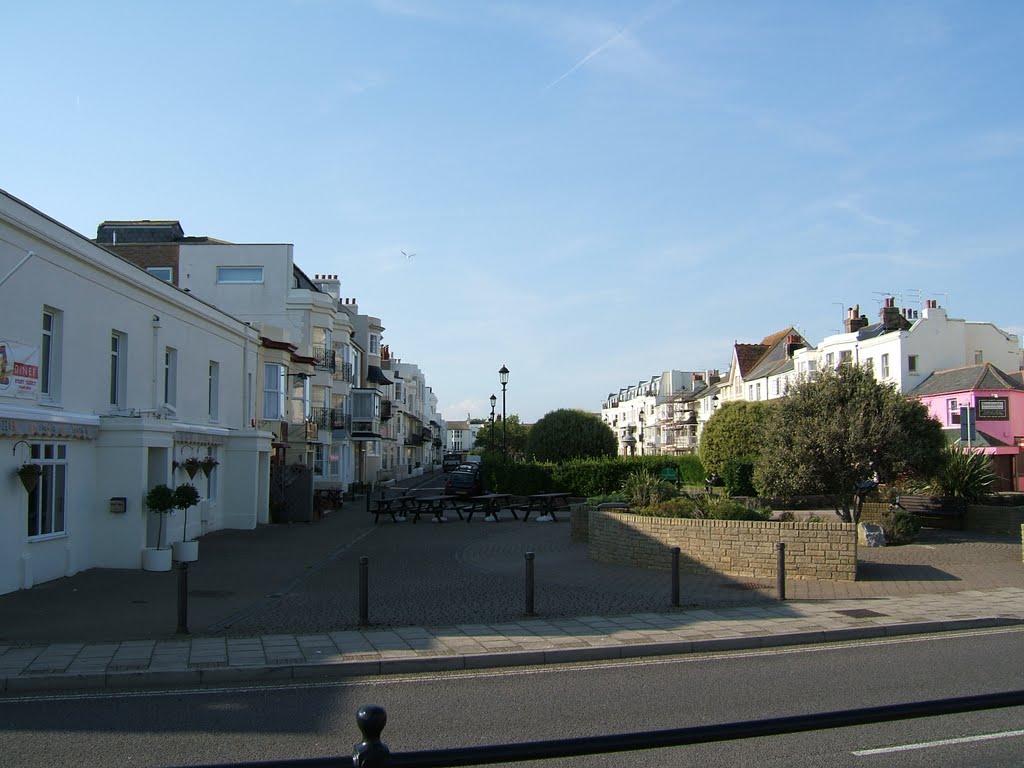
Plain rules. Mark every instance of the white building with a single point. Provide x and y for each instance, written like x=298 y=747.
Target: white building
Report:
x=109 y=379
x=905 y=346
x=657 y=416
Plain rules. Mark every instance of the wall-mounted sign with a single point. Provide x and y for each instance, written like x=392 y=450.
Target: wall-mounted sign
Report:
x=118 y=504
x=19 y=370
x=992 y=408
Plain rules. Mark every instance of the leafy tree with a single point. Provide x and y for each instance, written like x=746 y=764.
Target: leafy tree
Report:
x=515 y=433
x=838 y=433
x=733 y=433
x=570 y=434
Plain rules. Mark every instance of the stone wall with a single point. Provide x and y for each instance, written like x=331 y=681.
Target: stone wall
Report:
x=735 y=548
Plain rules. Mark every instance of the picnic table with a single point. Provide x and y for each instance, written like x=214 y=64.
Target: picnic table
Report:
x=397 y=507
x=547 y=504
x=435 y=505
x=490 y=504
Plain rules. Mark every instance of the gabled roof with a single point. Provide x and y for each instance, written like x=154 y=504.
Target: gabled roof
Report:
x=458 y=425
x=770 y=357
x=966 y=379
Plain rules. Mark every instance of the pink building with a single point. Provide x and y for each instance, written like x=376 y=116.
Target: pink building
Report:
x=996 y=400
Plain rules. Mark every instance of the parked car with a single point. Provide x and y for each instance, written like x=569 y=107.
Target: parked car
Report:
x=451 y=462
x=464 y=482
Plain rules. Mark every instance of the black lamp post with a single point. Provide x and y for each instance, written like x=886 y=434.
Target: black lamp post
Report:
x=503 y=378
x=493 y=401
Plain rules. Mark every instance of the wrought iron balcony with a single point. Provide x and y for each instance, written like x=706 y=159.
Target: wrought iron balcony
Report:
x=342 y=372
x=325 y=358
x=385 y=410
x=330 y=418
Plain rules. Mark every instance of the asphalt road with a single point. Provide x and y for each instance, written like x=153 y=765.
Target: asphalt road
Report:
x=427 y=711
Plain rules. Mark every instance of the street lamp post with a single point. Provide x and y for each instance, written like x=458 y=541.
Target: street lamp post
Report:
x=503 y=378
x=493 y=401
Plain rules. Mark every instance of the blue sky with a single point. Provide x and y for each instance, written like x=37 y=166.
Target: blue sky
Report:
x=594 y=191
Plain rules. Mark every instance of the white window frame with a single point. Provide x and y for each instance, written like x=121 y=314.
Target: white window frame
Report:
x=240 y=275
x=911 y=363
x=213 y=391
x=274 y=394
x=374 y=344
x=164 y=273
x=50 y=354
x=46 y=508
x=953 y=410
x=118 y=368
x=885 y=366
x=170 y=377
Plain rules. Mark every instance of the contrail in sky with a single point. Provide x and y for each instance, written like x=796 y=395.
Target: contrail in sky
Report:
x=651 y=12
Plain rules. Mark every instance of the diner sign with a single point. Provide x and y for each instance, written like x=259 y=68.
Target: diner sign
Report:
x=19 y=370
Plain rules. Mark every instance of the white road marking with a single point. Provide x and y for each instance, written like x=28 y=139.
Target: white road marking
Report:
x=941 y=743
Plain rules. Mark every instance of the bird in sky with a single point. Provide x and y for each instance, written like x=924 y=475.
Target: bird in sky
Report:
x=408 y=255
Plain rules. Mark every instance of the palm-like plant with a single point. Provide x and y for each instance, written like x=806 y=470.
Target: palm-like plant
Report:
x=644 y=489
x=964 y=474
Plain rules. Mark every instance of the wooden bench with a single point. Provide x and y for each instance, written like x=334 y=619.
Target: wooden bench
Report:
x=934 y=507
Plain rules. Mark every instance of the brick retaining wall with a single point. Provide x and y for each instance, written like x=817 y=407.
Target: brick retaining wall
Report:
x=735 y=548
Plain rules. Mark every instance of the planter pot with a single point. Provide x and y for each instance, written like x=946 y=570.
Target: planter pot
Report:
x=154 y=559
x=185 y=551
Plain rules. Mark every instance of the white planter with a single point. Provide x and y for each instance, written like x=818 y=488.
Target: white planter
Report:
x=186 y=551
x=154 y=559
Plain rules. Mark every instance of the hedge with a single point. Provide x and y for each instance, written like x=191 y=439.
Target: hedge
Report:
x=584 y=477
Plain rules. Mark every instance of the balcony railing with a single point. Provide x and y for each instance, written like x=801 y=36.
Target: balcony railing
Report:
x=342 y=372
x=325 y=358
x=385 y=410
x=330 y=418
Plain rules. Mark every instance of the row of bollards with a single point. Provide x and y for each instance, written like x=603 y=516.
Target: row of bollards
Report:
x=364 y=586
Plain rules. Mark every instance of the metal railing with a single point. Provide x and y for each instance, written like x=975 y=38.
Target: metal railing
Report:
x=330 y=418
x=325 y=358
x=372 y=752
x=342 y=372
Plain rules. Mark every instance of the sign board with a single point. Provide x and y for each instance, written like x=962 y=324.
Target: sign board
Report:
x=118 y=504
x=19 y=370
x=993 y=408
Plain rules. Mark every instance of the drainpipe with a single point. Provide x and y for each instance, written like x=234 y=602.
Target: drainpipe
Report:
x=156 y=363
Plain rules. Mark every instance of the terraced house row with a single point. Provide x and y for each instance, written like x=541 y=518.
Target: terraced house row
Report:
x=968 y=373
x=125 y=356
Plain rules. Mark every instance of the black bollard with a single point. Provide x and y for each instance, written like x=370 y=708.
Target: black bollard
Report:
x=182 y=598
x=529 y=583
x=364 y=592
x=780 y=571
x=371 y=752
x=675 y=576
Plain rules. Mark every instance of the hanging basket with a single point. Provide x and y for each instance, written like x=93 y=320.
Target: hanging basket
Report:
x=30 y=474
x=208 y=464
x=191 y=466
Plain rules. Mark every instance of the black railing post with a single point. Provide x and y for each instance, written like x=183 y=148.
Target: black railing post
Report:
x=364 y=591
x=675 y=576
x=371 y=752
x=780 y=571
x=182 y=598
x=529 y=583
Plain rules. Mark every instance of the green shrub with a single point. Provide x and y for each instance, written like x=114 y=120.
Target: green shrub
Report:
x=680 y=506
x=899 y=526
x=643 y=489
x=966 y=474
x=738 y=475
x=723 y=508
x=786 y=517
x=816 y=519
x=606 y=498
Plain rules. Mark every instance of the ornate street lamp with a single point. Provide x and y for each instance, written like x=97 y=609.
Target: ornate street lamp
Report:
x=503 y=378
x=493 y=401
